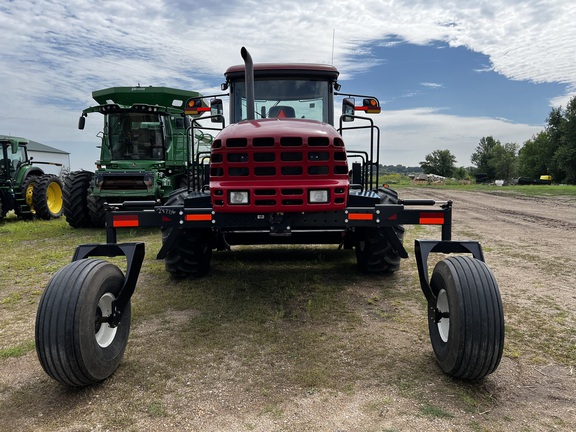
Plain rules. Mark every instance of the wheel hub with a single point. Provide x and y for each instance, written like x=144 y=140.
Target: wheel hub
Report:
x=443 y=315
x=104 y=333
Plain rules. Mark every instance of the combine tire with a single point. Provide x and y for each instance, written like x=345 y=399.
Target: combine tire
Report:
x=97 y=211
x=467 y=322
x=192 y=252
x=73 y=345
x=75 y=196
x=47 y=197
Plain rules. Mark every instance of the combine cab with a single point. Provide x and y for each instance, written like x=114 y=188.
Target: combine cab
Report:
x=280 y=173
x=24 y=187
x=143 y=152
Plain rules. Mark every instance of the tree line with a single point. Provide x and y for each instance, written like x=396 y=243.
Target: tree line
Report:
x=550 y=152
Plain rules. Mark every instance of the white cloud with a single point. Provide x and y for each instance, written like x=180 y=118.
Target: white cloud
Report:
x=55 y=53
x=411 y=134
x=431 y=85
x=430 y=130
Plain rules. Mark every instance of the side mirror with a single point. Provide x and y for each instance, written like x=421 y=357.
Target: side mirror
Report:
x=348 y=109
x=14 y=146
x=216 y=110
x=81 y=122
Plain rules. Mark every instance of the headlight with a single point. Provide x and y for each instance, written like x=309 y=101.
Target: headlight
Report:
x=318 y=196
x=238 y=197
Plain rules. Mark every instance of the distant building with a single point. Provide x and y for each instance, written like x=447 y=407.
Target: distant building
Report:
x=43 y=153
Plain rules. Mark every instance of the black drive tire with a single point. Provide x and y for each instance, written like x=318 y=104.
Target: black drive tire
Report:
x=71 y=347
x=374 y=253
x=469 y=343
x=75 y=196
x=47 y=197
x=97 y=211
x=192 y=252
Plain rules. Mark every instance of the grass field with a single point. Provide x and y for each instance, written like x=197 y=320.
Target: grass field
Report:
x=284 y=338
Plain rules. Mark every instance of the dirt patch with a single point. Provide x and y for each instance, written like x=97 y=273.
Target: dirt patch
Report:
x=263 y=345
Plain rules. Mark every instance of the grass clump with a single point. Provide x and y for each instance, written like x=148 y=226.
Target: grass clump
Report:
x=18 y=350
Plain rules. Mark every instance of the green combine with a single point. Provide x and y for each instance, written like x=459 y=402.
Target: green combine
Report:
x=24 y=187
x=143 y=152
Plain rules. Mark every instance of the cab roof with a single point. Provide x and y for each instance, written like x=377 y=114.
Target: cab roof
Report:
x=162 y=96
x=264 y=70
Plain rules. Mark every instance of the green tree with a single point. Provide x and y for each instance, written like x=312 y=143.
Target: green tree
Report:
x=555 y=131
x=534 y=157
x=552 y=151
x=483 y=156
x=565 y=155
x=461 y=173
x=439 y=162
x=504 y=160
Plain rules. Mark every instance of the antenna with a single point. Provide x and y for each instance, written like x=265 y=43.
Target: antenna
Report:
x=333 y=37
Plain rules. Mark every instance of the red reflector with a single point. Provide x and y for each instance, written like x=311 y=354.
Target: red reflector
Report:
x=123 y=221
x=198 y=217
x=360 y=216
x=432 y=218
x=196 y=110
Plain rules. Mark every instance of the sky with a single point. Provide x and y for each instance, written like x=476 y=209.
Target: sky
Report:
x=446 y=72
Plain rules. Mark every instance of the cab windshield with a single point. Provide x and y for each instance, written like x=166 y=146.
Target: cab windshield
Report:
x=284 y=98
x=135 y=136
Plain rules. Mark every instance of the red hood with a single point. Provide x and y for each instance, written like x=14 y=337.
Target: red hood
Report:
x=278 y=128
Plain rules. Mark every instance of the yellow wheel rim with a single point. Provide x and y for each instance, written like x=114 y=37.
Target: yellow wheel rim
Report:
x=29 y=192
x=54 y=198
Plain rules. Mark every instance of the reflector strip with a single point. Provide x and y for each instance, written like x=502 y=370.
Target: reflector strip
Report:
x=432 y=218
x=196 y=111
x=198 y=217
x=360 y=216
x=124 y=221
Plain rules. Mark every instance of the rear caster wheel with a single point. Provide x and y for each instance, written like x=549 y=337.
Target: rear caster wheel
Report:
x=74 y=343
x=466 y=323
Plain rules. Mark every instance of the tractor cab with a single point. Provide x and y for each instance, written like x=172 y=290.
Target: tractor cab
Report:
x=282 y=91
x=12 y=157
x=143 y=127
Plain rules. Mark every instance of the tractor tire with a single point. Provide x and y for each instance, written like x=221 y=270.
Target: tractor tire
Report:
x=28 y=193
x=97 y=211
x=72 y=346
x=192 y=252
x=47 y=197
x=466 y=323
x=2 y=211
x=374 y=253
x=75 y=196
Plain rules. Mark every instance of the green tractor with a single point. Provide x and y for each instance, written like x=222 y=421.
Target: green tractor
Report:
x=24 y=187
x=143 y=152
